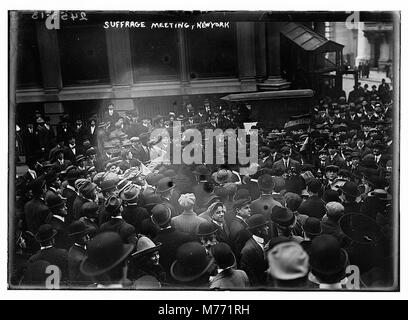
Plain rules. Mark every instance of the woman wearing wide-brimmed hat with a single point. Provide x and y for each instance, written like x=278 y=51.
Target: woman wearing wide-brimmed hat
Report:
x=144 y=265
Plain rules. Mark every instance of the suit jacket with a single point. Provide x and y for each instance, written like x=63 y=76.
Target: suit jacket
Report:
x=70 y=195
x=187 y=222
x=55 y=256
x=230 y=279
x=93 y=137
x=239 y=235
x=91 y=225
x=279 y=166
x=80 y=134
x=167 y=203
x=76 y=255
x=134 y=215
x=35 y=212
x=143 y=154
x=77 y=206
x=120 y=226
x=60 y=167
x=313 y=207
x=171 y=240
x=337 y=161
x=201 y=194
x=46 y=138
x=253 y=263
x=62 y=239
x=30 y=142
x=64 y=134
x=69 y=154
x=264 y=205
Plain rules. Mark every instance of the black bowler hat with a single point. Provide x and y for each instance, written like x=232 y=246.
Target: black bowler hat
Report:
x=54 y=201
x=206 y=228
x=223 y=255
x=165 y=184
x=266 y=182
x=312 y=226
x=161 y=215
x=45 y=232
x=282 y=216
x=326 y=255
x=256 y=221
x=78 y=229
x=350 y=189
x=105 y=251
x=191 y=262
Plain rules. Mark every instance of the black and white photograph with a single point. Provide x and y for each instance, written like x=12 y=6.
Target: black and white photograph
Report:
x=203 y=150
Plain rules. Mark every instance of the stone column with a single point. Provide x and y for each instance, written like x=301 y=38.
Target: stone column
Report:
x=260 y=51
x=274 y=80
x=363 y=45
x=384 y=52
x=246 y=55
x=49 y=58
x=120 y=66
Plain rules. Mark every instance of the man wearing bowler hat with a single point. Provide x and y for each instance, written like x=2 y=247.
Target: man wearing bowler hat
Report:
x=168 y=236
x=328 y=263
x=79 y=234
x=193 y=266
x=286 y=164
x=349 y=195
x=165 y=188
x=86 y=192
x=252 y=255
x=106 y=261
x=35 y=210
x=56 y=219
x=314 y=206
x=133 y=213
x=239 y=233
x=265 y=203
x=58 y=257
x=90 y=211
x=227 y=276
x=113 y=206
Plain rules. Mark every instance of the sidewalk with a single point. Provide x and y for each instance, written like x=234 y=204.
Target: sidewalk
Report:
x=374 y=79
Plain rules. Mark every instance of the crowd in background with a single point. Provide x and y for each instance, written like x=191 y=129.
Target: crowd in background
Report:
x=96 y=203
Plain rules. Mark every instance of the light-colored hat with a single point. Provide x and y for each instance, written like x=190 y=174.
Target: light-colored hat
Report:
x=288 y=261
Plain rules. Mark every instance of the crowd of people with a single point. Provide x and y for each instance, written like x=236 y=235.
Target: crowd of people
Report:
x=96 y=204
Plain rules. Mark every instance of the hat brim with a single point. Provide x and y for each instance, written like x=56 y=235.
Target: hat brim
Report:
x=54 y=233
x=349 y=194
x=90 y=269
x=142 y=253
x=388 y=198
x=342 y=264
x=177 y=274
x=82 y=233
x=226 y=179
x=207 y=234
x=123 y=197
x=258 y=225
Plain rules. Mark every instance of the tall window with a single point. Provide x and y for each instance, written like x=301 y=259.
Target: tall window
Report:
x=155 y=54
x=83 y=55
x=212 y=52
x=28 y=56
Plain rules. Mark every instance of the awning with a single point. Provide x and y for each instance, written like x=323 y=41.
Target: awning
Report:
x=307 y=39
